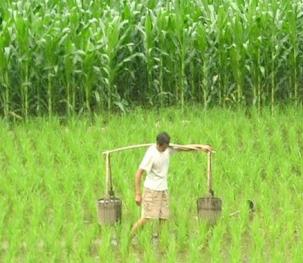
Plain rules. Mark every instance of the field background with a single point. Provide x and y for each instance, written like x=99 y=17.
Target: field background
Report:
x=81 y=76
x=52 y=173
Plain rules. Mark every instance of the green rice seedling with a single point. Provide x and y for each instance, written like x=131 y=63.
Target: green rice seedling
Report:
x=235 y=246
x=193 y=251
x=216 y=242
x=106 y=252
x=171 y=255
x=258 y=243
x=182 y=228
x=122 y=236
x=166 y=232
x=297 y=253
x=149 y=254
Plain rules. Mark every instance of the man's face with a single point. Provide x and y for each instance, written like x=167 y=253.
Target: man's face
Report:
x=162 y=147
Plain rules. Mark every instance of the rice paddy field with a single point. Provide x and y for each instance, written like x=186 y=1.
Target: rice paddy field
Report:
x=52 y=173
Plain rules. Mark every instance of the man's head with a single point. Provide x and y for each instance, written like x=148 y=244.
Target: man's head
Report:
x=163 y=140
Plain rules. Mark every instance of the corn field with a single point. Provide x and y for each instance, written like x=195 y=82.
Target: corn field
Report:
x=72 y=56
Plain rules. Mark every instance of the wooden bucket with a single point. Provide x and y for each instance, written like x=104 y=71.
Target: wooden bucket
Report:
x=209 y=208
x=109 y=210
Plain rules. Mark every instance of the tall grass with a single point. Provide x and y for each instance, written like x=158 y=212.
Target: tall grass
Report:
x=82 y=56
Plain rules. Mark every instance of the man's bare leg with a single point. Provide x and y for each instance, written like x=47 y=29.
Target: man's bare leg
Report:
x=139 y=224
x=162 y=222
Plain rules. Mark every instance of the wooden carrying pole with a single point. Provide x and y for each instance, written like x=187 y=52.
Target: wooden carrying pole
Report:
x=209 y=178
x=189 y=146
x=127 y=148
x=108 y=174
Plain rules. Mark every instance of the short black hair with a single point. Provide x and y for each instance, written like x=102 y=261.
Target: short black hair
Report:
x=163 y=138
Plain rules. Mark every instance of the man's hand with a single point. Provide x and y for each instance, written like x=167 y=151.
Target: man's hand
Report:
x=138 y=199
x=206 y=148
x=201 y=147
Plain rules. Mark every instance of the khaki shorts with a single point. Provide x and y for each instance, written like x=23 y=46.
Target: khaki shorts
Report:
x=155 y=204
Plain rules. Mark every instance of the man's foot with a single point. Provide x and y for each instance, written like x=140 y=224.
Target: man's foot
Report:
x=155 y=239
x=114 y=242
x=134 y=241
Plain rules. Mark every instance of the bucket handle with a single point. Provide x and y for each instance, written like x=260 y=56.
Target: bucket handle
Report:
x=209 y=175
x=108 y=178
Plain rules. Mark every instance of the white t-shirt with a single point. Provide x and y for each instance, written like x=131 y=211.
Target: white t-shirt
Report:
x=156 y=164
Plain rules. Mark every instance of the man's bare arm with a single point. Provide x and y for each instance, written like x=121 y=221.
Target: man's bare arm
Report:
x=192 y=147
x=138 y=176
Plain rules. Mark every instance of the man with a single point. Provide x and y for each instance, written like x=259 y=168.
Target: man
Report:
x=155 y=164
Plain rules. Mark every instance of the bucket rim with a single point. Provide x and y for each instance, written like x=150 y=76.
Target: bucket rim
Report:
x=209 y=198
x=108 y=199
